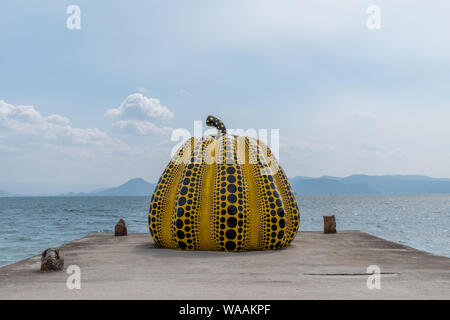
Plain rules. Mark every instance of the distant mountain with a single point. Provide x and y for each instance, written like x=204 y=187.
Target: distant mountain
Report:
x=4 y=194
x=304 y=185
x=134 y=187
x=354 y=184
x=15 y=188
x=365 y=184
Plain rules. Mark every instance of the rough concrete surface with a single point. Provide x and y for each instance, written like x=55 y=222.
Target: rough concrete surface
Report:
x=315 y=266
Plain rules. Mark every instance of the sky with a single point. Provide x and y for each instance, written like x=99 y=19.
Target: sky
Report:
x=96 y=106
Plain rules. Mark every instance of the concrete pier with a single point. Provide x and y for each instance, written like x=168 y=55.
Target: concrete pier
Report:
x=315 y=266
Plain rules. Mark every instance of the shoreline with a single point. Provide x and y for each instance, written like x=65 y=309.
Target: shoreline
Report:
x=316 y=266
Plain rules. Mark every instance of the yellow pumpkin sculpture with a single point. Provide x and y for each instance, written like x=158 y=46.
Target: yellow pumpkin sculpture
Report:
x=224 y=193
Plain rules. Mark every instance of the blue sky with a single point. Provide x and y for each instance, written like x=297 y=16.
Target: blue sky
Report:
x=345 y=98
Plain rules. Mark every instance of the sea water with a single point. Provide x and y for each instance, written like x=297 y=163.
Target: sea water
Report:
x=29 y=225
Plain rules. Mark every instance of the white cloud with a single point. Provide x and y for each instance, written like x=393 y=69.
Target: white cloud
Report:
x=134 y=114
x=144 y=128
x=35 y=147
x=24 y=125
x=57 y=119
x=27 y=114
x=24 y=130
x=136 y=106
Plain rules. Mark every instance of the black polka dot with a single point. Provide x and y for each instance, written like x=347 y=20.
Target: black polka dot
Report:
x=230 y=245
x=182 y=245
x=231 y=179
x=231 y=222
x=280 y=234
x=231 y=170
x=180 y=234
x=232 y=209
x=232 y=198
x=179 y=223
x=180 y=212
x=230 y=234
x=231 y=188
x=181 y=201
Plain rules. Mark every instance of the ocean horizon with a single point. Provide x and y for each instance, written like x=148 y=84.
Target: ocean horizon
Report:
x=36 y=223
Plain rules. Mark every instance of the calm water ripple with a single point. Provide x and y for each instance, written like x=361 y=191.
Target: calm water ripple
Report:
x=33 y=224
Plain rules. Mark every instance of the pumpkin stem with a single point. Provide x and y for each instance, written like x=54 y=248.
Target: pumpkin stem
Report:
x=212 y=121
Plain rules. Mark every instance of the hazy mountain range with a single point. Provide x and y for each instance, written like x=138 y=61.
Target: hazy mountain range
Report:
x=364 y=184
x=133 y=187
x=355 y=184
x=17 y=188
